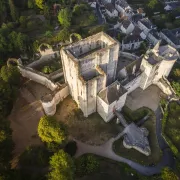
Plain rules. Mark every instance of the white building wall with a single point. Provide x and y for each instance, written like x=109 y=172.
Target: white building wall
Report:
x=128 y=30
x=106 y=111
x=164 y=69
x=112 y=14
x=143 y=28
x=135 y=83
x=131 y=46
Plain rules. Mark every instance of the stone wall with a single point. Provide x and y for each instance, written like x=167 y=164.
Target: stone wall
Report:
x=165 y=86
x=37 y=77
x=132 y=85
x=50 y=101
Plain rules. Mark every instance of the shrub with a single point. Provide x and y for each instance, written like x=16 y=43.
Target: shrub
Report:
x=86 y=165
x=49 y=130
x=34 y=156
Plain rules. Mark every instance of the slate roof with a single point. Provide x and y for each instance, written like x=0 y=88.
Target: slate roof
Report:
x=122 y=3
x=147 y=23
x=112 y=93
x=110 y=7
x=126 y=23
x=171 y=36
x=132 y=38
x=135 y=18
x=154 y=33
x=137 y=30
x=173 y=5
x=176 y=31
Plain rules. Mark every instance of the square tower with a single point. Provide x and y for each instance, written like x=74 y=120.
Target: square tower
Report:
x=89 y=66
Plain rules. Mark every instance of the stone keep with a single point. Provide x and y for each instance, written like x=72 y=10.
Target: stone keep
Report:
x=89 y=66
x=157 y=63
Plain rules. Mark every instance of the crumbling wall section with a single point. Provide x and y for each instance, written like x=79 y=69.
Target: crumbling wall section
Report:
x=50 y=101
x=37 y=77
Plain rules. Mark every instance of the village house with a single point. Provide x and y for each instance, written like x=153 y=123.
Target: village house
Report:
x=153 y=36
x=127 y=27
x=170 y=6
x=131 y=42
x=170 y=37
x=111 y=11
x=92 y=3
x=146 y=25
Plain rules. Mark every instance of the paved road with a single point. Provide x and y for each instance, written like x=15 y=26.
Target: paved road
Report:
x=106 y=150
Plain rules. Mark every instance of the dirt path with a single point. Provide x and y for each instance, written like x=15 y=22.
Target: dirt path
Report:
x=24 y=120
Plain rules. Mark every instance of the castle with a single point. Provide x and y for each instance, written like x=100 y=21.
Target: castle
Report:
x=100 y=77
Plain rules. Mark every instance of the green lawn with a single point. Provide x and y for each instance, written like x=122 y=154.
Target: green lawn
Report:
x=172 y=125
x=150 y=124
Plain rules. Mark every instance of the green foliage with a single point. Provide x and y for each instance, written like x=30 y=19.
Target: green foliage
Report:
x=168 y=174
x=48 y=69
x=63 y=35
x=97 y=29
x=143 y=48
x=3 y=136
x=86 y=165
x=152 y=3
x=80 y=8
x=39 y=3
x=65 y=17
x=31 y=4
x=48 y=34
x=13 y=10
x=10 y=74
x=50 y=130
x=34 y=156
x=22 y=21
x=62 y=167
x=171 y=127
x=135 y=115
x=176 y=87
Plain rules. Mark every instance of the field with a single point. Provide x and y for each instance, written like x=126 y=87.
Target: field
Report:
x=150 y=124
x=92 y=130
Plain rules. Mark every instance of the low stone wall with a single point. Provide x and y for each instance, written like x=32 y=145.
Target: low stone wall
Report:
x=165 y=86
x=50 y=101
x=37 y=77
x=129 y=55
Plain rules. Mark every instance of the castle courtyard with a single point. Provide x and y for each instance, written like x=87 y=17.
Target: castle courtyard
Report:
x=149 y=97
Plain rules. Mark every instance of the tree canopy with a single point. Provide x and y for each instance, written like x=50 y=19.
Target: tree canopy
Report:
x=62 y=167
x=168 y=174
x=50 y=130
x=65 y=17
x=40 y=3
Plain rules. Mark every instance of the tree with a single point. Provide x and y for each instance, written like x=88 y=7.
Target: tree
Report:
x=63 y=35
x=168 y=174
x=62 y=167
x=86 y=165
x=50 y=130
x=65 y=17
x=22 y=21
x=10 y=74
x=176 y=87
x=143 y=48
x=13 y=10
x=79 y=9
x=39 y=3
x=3 y=136
x=31 y=4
